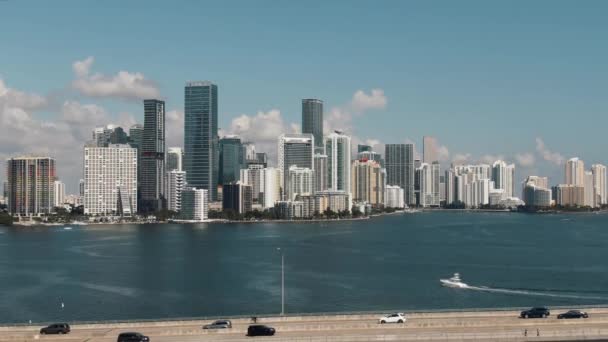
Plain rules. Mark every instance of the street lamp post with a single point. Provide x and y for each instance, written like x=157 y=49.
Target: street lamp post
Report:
x=282 y=281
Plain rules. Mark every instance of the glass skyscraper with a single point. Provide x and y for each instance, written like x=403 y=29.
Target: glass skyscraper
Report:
x=312 y=120
x=232 y=159
x=201 y=152
x=152 y=164
x=400 y=170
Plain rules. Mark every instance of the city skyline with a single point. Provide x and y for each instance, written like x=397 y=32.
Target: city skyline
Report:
x=51 y=110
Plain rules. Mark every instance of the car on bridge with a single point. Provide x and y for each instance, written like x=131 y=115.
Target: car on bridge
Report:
x=393 y=318
x=219 y=324
x=573 y=314
x=132 y=337
x=536 y=312
x=57 y=328
x=260 y=330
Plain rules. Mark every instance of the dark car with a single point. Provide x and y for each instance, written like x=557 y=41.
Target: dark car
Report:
x=219 y=324
x=57 y=328
x=132 y=337
x=573 y=314
x=260 y=330
x=539 y=312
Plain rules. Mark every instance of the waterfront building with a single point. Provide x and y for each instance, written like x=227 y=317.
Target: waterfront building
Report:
x=450 y=187
x=232 y=159
x=289 y=210
x=424 y=185
x=394 y=197
x=59 y=196
x=570 y=195
x=599 y=184
x=542 y=182
x=272 y=179
x=399 y=161
x=435 y=184
x=194 y=204
x=295 y=150
x=337 y=149
x=152 y=163
x=368 y=182
x=174 y=159
x=336 y=201
x=496 y=196
x=503 y=176
x=110 y=180
x=535 y=195
x=176 y=183
x=30 y=185
x=201 y=155
x=589 y=189
x=81 y=188
x=429 y=150
x=252 y=175
x=477 y=193
x=320 y=163
x=237 y=197
x=312 y=121
x=575 y=172
x=300 y=182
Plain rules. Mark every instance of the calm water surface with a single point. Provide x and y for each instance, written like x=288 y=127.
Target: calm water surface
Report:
x=388 y=263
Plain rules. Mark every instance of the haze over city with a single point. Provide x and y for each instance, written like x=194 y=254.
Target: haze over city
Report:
x=488 y=80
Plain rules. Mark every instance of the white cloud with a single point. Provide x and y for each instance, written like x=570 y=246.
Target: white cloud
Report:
x=443 y=154
x=461 y=158
x=175 y=128
x=341 y=117
x=124 y=85
x=548 y=155
x=525 y=159
x=18 y=99
x=491 y=158
x=362 y=102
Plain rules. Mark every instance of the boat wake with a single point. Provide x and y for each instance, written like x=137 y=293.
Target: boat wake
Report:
x=534 y=293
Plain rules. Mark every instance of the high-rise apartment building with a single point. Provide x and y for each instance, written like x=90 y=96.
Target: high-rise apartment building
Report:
x=399 y=161
x=368 y=182
x=320 y=163
x=152 y=163
x=201 y=155
x=435 y=184
x=394 y=197
x=272 y=179
x=176 y=183
x=337 y=149
x=589 y=189
x=301 y=182
x=570 y=195
x=312 y=121
x=174 y=159
x=424 y=188
x=59 y=189
x=110 y=180
x=575 y=172
x=232 y=159
x=195 y=205
x=295 y=150
x=252 y=175
x=429 y=150
x=31 y=185
x=599 y=184
x=503 y=176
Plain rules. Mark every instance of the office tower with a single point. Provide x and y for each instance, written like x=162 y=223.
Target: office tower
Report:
x=201 y=155
x=119 y=136
x=368 y=182
x=136 y=133
x=503 y=177
x=301 y=181
x=261 y=157
x=575 y=172
x=272 y=179
x=399 y=162
x=337 y=149
x=59 y=190
x=174 y=159
x=176 y=183
x=31 y=185
x=450 y=187
x=441 y=188
x=294 y=150
x=363 y=148
x=81 y=188
x=599 y=184
x=249 y=151
x=589 y=189
x=232 y=159
x=435 y=184
x=312 y=121
x=429 y=150
x=536 y=193
x=152 y=163
x=320 y=163
x=252 y=175
x=394 y=197
x=237 y=197
x=195 y=204
x=570 y=195
x=110 y=180
x=424 y=182
x=110 y=134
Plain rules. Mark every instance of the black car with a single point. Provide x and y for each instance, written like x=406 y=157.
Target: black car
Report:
x=260 y=330
x=57 y=328
x=132 y=337
x=573 y=314
x=539 y=312
x=219 y=324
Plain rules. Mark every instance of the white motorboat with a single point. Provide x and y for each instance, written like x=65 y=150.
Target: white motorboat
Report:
x=453 y=282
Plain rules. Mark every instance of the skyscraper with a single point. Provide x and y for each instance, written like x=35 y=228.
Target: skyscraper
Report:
x=400 y=169
x=252 y=175
x=337 y=149
x=174 y=159
x=136 y=133
x=503 y=176
x=599 y=184
x=575 y=172
x=237 y=197
x=589 y=189
x=312 y=120
x=300 y=182
x=429 y=147
x=320 y=162
x=272 y=179
x=31 y=185
x=176 y=183
x=59 y=189
x=152 y=173
x=201 y=155
x=232 y=159
x=195 y=205
x=368 y=182
x=294 y=149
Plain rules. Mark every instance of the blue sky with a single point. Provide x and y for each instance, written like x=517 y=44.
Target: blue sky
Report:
x=484 y=78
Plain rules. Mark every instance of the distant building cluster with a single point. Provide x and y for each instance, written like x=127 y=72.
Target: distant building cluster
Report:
x=315 y=174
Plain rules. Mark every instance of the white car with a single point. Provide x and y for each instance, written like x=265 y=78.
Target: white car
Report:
x=393 y=318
